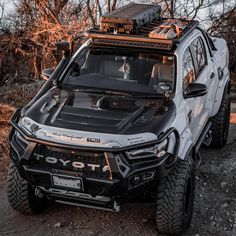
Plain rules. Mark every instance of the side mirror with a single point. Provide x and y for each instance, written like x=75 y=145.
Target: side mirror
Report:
x=46 y=73
x=64 y=47
x=195 y=90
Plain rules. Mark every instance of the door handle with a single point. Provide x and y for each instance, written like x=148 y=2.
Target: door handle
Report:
x=190 y=117
x=212 y=75
x=220 y=72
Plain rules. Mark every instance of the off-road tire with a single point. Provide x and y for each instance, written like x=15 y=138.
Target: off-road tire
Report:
x=175 y=197
x=21 y=195
x=220 y=123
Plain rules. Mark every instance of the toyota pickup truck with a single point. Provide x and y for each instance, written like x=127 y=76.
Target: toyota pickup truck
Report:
x=123 y=117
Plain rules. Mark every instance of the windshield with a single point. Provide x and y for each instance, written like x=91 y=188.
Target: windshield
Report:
x=124 y=70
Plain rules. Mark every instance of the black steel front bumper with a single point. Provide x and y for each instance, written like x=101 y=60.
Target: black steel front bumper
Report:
x=125 y=180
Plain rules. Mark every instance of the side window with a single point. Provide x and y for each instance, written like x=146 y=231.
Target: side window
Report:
x=200 y=54
x=188 y=69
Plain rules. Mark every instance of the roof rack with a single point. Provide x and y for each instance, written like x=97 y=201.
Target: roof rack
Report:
x=140 y=25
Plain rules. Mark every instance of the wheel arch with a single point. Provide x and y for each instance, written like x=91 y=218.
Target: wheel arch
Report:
x=224 y=87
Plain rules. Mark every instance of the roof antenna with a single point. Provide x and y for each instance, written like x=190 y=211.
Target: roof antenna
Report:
x=172 y=8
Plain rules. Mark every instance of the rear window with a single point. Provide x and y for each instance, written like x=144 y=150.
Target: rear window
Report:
x=200 y=54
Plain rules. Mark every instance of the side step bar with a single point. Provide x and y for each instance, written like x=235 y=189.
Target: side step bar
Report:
x=196 y=154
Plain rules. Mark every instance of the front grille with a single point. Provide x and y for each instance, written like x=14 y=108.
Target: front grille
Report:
x=45 y=157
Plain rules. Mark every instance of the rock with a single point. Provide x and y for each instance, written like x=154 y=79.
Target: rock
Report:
x=213 y=223
x=122 y=227
x=234 y=228
x=58 y=225
x=224 y=205
x=144 y=220
x=90 y=233
x=223 y=184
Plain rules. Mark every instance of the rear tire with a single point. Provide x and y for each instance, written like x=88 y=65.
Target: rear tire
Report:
x=21 y=195
x=220 y=123
x=175 y=198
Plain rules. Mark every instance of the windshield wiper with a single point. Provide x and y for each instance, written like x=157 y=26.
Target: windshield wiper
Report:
x=102 y=91
x=151 y=96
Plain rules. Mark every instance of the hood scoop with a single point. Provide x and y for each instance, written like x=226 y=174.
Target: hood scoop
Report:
x=88 y=111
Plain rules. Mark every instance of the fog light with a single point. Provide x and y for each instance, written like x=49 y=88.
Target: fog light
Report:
x=137 y=180
x=148 y=175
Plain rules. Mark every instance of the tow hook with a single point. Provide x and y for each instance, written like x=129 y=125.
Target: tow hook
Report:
x=38 y=192
x=208 y=138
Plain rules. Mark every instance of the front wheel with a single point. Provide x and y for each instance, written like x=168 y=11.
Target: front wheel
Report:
x=21 y=195
x=175 y=197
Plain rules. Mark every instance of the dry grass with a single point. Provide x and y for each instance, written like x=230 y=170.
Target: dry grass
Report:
x=6 y=112
x=19 y=94
x=12 y=96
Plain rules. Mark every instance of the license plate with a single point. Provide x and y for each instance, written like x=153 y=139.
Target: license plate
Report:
x=67 y=182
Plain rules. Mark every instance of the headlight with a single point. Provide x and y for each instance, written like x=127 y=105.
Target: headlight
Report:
x=25 y=124
x=158 y=151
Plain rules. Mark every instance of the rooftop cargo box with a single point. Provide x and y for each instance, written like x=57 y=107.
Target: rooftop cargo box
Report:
x=130 y=18
x=140 y=26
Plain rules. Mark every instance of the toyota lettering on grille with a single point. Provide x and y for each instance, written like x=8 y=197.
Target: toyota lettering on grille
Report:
x=65 y=163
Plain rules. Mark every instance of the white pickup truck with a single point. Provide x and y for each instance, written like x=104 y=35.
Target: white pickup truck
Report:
x=126 y=115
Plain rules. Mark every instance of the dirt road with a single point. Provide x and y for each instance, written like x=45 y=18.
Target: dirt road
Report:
x=215 y=207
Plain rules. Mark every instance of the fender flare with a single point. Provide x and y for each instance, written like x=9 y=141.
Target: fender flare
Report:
x=186 y=143
x=219 y=95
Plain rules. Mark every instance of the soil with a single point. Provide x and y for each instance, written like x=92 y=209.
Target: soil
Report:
x=214 y=210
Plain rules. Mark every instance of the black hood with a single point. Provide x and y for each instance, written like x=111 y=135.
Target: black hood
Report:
x=102 y=113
